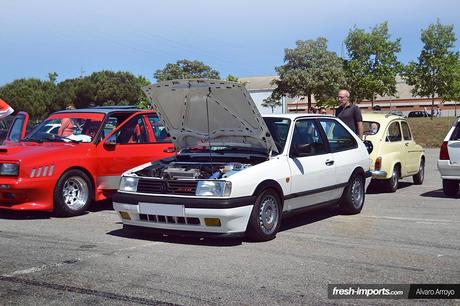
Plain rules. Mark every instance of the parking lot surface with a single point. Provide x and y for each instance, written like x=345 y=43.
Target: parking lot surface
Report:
x=411 y=236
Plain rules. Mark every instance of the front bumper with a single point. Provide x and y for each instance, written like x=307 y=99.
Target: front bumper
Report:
x=26 y=194
x=185 y=214
x=448 y=170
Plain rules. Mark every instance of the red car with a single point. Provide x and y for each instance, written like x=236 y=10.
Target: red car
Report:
x=76 y=156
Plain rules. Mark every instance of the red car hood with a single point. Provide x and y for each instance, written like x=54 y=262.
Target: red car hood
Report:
x=25 y=150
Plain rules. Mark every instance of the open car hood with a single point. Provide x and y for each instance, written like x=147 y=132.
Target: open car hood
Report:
x=209 y=112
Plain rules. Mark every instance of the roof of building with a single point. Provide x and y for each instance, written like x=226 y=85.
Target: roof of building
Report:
x=263 y=83
x=259 y=83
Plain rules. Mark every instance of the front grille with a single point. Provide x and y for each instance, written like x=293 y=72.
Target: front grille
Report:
x=169 y=219
x=180 y=187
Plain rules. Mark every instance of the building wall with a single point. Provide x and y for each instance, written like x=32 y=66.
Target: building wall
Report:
x=259 y=96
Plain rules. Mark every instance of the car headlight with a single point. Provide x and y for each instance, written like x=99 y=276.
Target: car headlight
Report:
x=213 y=188
x=128 y=183
x=9 y=169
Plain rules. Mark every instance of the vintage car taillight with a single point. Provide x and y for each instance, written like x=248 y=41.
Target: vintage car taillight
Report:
x=378 y=163
x=444 y=153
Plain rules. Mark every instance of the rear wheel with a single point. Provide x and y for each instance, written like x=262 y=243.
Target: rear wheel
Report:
x=265 y=217
x=73 y=193
x=420 y=176
x=352 y=200
x=450 y=187
x=391 y=185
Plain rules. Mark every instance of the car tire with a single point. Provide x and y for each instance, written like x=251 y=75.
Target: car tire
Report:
x=265 y=218
x=391 y=185
x=450 y=187
x=352 y=200
x=420 y=176
x=73 y=193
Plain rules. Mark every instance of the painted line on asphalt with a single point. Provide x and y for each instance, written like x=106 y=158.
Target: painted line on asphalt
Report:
x=69 y=261
x=410 y=219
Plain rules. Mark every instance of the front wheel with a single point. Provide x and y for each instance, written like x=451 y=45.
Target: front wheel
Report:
x=265 y=217
x=73 y=193
x=352 y=200
x=450 y=187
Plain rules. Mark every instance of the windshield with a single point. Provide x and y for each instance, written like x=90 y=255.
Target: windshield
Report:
x=279 y=129
x=67 y=127
x=370 y=127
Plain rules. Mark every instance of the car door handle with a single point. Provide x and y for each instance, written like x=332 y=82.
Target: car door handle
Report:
x=329 y=162
x=407 y=144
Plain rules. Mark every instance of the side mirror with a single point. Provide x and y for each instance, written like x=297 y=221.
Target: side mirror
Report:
x=369 y=146
x=111 y=141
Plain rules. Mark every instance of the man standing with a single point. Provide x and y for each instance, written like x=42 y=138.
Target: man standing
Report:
x=5 y=109
x=349 y=113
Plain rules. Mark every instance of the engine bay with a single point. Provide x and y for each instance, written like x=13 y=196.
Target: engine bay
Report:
x=192 y=170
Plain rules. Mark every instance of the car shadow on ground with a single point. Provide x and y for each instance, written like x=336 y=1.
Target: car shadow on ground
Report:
x=309 y=217
x=377 y=188
x=24 y=215
x=438 y=193
x=101 y=206
x=148 y=235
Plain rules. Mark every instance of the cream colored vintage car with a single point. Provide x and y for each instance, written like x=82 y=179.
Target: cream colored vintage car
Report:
x=395 y=154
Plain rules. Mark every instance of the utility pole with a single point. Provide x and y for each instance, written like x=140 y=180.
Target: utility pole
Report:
x=82 y=72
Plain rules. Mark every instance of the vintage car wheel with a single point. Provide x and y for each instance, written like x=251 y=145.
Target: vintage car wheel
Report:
x=265 y=218
x=450 y=187
x=73 y=193
x=352 y=200
x=420 y=176
x=392 y=183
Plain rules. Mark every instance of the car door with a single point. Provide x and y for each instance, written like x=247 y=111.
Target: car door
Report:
x=131 y=144
x=312 y=166
x=343 y=147
x=410 y=147
x=18 y=128
x=395 y=150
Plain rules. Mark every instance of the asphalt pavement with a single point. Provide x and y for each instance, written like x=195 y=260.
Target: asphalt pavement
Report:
x=411 y=236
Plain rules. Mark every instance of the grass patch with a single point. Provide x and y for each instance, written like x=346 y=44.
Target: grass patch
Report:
x=430 y=133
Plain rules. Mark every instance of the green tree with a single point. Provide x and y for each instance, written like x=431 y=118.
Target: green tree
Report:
x=372 y=66
x=143 y=101
x=185 y=69
x=309 y=69
x=454 y=91
x=33 y=96
x=108 y=88
x=271 y=102
x=434 y=72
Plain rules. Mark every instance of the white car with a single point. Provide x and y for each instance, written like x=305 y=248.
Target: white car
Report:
x=449 y=161
x=236 y=172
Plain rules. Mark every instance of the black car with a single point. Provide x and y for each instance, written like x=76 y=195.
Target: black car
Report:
x=418 y=114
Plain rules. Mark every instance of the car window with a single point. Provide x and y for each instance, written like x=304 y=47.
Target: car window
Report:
x=394 y=132
x=456 y=133
x=16 y=129
x=406 y=130
x=133 y=132
x=339 y=138
x=371 y=127
x=307 y=135
x=157 y=129
x=279 y=129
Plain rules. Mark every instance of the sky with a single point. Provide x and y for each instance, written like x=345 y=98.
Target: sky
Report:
x=241 y=38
